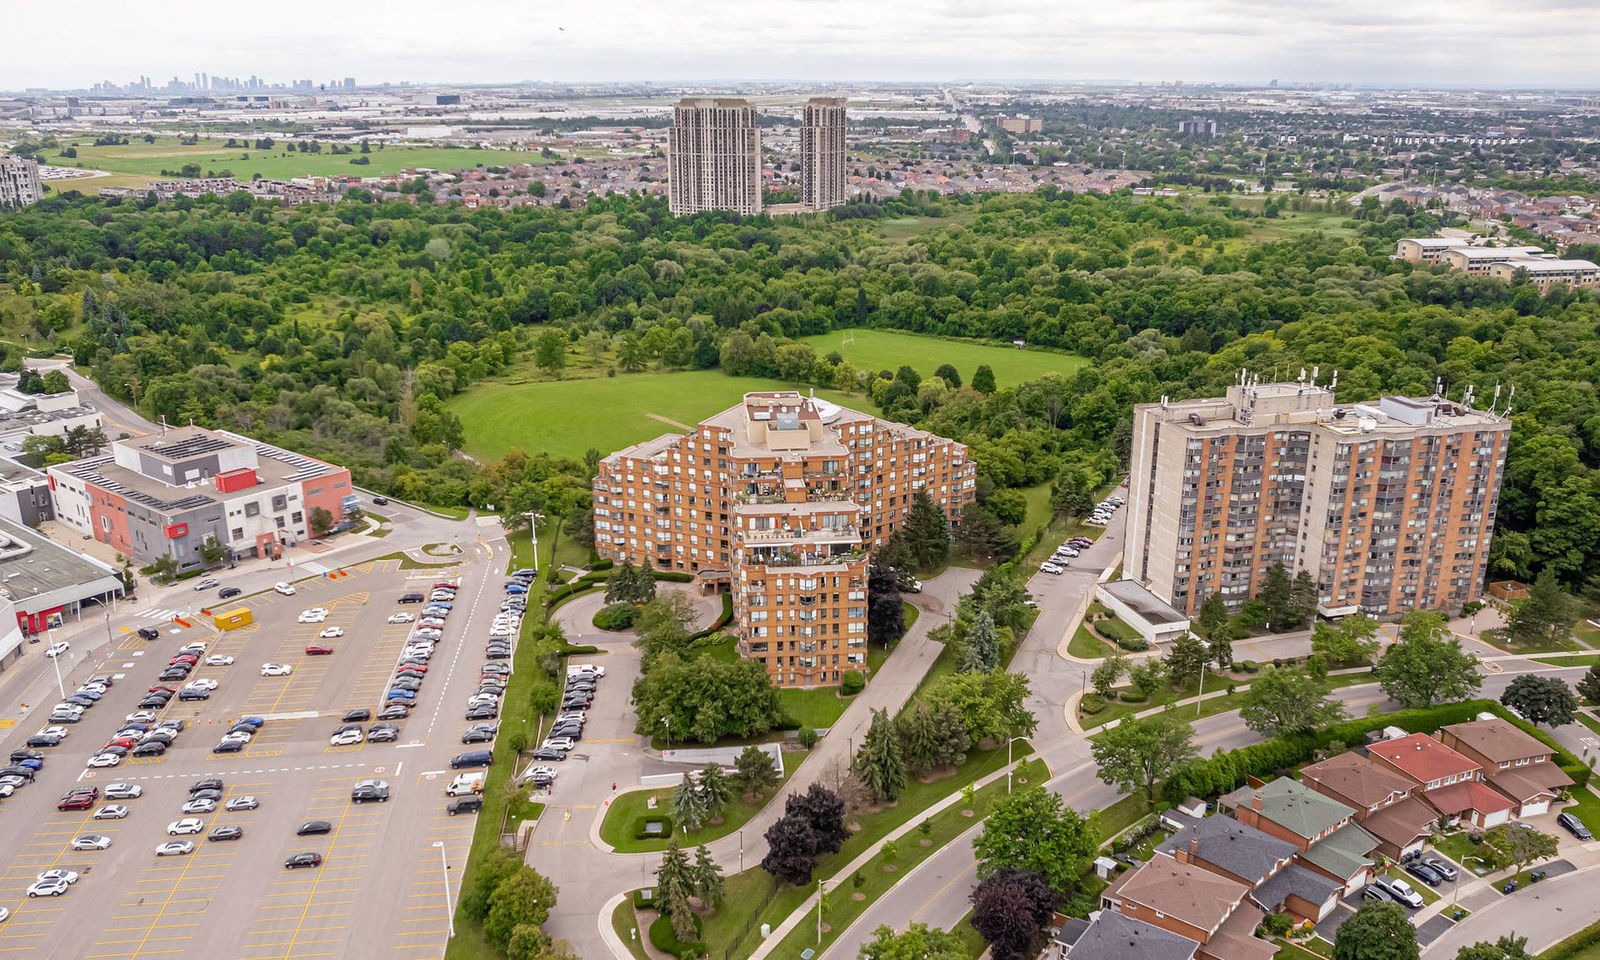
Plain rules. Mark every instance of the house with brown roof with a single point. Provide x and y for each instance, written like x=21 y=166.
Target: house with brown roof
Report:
x=1381 y=796
x=1450 y=781
x=1240 y=852
x=1188 y=900
x=1517 y=764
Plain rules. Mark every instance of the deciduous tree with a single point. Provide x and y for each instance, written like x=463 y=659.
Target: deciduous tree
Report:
x=1286 y=701
x=1033 y=829
x=1011 y=909
x=1541 y=700
x=1427 y=666
x=1139 y=754
x=1377 y=931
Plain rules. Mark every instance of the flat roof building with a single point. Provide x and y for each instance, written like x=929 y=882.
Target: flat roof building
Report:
x=19 y=182
x=822 y=171
x=45 y=582
x=714 y=156
x=1388 y=504
x=1427 y=249
x=1142 y=610
x=1544 y=273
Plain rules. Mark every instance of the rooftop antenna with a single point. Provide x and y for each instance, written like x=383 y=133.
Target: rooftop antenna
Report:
x=1466 y=400
x=1496 y=401
x=1335 y=384
x=1438 y=386
x=1316 y=371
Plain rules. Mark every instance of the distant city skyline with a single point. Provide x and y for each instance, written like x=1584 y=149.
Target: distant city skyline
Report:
x=1427 y=43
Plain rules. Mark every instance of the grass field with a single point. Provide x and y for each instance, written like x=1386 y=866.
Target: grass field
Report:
x=1290 y=224
x=92 y=186
x=149 y=159
x=887 y=350
x=567 y=417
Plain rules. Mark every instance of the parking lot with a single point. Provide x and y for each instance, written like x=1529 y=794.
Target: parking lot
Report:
x=379 y=890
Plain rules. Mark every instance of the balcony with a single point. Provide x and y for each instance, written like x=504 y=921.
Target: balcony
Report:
x=782 y=535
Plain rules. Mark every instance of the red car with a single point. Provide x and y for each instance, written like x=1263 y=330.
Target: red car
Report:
x=190 y=659
x=127 y=742
x=163 y=689
x=80 y=799
x=317 y=650
x=447 y=585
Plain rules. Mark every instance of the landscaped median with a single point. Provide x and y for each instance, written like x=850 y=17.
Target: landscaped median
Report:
x=620 y=828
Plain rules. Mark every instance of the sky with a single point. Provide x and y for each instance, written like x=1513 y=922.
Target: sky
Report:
x=1380 y=42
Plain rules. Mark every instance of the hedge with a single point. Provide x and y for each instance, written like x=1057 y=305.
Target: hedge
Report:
x=616 y=616
x=674 y=576
x=663 y=938
x=601 y=565
x=654 y=816
x=1574 y=945
x=1225 y=771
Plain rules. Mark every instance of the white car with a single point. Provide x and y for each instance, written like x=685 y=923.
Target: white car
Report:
x=178 y=828
x=70 y=876
x=586 y=669
x=199 y=646
x=219 y=660
x=345 y=738
x=432 y=623
x=48 y=888
x=242 y=736
x=62 y=732
x=124 y=791
x=276 y=669
x=57 y=649
x=92 y=841
x=204 y=683
x=1048 y=567
x=559 y=743
x=402 y=618
x=328 y=633
x=200 y=805
x=242 y=803
x=104 y=760
x=205 y=584
x=313 y=615
x=284 y=588
x=93 y=687
x=141 y=716
x=111 y=811
x=175 y=848
x=6 y=790
x=500 y=630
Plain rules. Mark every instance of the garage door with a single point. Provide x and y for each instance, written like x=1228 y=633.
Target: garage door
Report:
x=1496 y=818
x=1535 y=809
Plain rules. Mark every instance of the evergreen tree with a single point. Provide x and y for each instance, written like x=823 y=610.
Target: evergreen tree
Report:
x=983 y=379
x=1221 y=646
x=1545 y=616
x=689 y=806
x=620 y=586
x=946 y=372
x=1069 y=496
x=1589 y=685
x=1277 y=595
x=709 y=886
x=886 y=617
x=878 y=763
x=982 y=535
x=754 y=771
x=980 y=653
x=1213 y=613
x=1187 y=657
x=917 y=745
x=717 y=787
x=927 y=531
x=675 y=884
x=950 y=736
x=1302 y=598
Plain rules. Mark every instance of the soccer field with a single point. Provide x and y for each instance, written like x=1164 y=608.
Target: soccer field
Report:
x=887 y=350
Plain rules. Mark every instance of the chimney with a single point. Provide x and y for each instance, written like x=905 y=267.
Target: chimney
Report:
x=1255 y=801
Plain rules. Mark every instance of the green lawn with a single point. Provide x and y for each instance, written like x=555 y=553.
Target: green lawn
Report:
x=149 y=159
x=817 y=708
x=1588 y=720
x=1117 y=708
x=1580 y=660
x=888 y=350
x=1586 y=807
x=1291 y=224
x=1494 y=639
x=1458 y=848
x=1121 y=815
x=568 y=417
x=618 y=825
x=622 y=922
x=1087 y=646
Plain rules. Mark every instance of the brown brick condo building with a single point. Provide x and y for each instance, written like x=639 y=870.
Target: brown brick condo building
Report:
x=779 y=499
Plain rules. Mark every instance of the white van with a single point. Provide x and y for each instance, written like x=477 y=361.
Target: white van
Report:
x=465 y=783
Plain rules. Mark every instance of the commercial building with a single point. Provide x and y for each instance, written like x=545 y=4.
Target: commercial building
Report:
x=1427 y=249
x=19 y=182
x=1501 y=263
x=1389 y=505
x=1151 y=616
x=1543 y=273
x=714 y=156
x=1022 y=123
x=822 y=171
x=1477 y=260
x=779 y=499
x=24 y=495
x=168 y=493
x=46 y=583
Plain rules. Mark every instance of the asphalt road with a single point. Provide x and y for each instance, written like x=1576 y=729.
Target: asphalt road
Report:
x=381 y=889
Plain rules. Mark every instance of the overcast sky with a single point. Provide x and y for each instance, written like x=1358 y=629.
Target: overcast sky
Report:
x=1401 y=42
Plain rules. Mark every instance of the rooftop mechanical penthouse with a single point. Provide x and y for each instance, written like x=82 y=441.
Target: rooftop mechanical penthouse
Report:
x=779 y=499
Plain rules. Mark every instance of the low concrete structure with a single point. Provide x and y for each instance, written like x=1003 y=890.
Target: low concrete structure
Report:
x=46 y=582
x=1153 y=617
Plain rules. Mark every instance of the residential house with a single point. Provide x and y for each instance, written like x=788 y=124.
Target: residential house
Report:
x=1381 y=796
x=1321 y=828
x=1513 y=762
x=1112 y=936
x=1192 y=902
x=1450 y=781
x=1267 y=864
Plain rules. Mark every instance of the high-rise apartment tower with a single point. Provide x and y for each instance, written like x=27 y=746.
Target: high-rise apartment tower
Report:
x=822 y=153
x=779 y=499
x=714 y=156
x=19 y=181
x=1390 y=505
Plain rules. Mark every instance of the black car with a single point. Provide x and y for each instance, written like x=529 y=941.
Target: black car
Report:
x=549 y=753
x=464 y=805
x=176 y=723
x=298 y=860
x=148 y=703
x=381 y=501
x=192 y=694
x=472 y=758
x=149 y=633
x=206 y=795
x=227 y=592
x=173 y=674
x=1442 y=867
x=498 y=654
x=406 y=683
x=206 y=783
x=477 y=735
x=482 y=713
x=226 y=833
x=28 y=775
x=313 y=828
x=228 y=746
x=383 y=733
x=393 y=711
x=80 y=700
x=367 y=793
x=412 y=598
x=44 y=740
x=1424 y=873
x=246 y=727
x=357 y=716
x=1574 y=826
x=150 y=748
x=19 y=755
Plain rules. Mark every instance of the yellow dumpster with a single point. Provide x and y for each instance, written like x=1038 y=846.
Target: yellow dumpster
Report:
x=234 y=619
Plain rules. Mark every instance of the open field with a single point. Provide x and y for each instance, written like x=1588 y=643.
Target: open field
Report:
x=149 y=159
x=887 y=350
x=92 y=186
x=567 y=417
x=1290 y=224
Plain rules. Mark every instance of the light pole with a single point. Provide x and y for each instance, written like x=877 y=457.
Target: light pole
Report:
x=55 y=658
x=666 y=724
x=1008 y=762
x=444 y=878
x=820 y=883
x=533 y=529
x=1200 y=691
x=741 y=851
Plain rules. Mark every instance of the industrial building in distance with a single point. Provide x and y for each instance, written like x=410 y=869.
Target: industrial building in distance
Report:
x=1390 y=505
x=779 y=499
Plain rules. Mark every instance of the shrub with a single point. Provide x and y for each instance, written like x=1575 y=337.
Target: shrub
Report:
x=616 y=616
x=664 y=939
x=1092 y=703
x=1248 y=666
x=1132 y=696
x=644 y=899
x=673 y=576
x=1277 y=924
x=518 y=740
x=1133 y=644
x=807 y=737
x=852 y=683
x=599 y=565
x=654 y=816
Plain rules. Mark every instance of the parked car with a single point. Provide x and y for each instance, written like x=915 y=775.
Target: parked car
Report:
x=1574 y=826
x=1401 y=891
x=1424 y=873
x=1442 y=867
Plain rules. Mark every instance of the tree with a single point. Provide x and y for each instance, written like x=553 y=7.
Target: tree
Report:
x=709 y=886
x=918 y=942
x=663 y=625
x=1517 y=845
x=1540 y=700
x=321 y=521
x=886 y=616
x=55 y=382
x=1186 y=658
x=754 y=772
x=927 y=531
x=932 y=739
x=1220 y=644
x=689 y=804
x=1147 y=676
x=1105 y=676
x=1589 y=686
x=630 y=584
x=1010 y=910
x=704 y=699
x=949 y=375
x=718 y=788
x=983 y=379
x=812 y=825
x=212 y=552
x=550 y=351
x=1302 y=598
x=1070 y=496
x=529 y=942
x=1511 y=947
x=1277 y=594
x=1426 y=666
x=980 y=652
x=1213 y=613
x=1033 y=829
x=674 y=886
x=982 y=534
x=525 y=897
x=1287 y=701
x=878 y=763
x=164 y=569
x=1377 y=931
x=1138 y=755
x=1350 y=640
x=498 y=864
x=989 y=705
x=1546 y=616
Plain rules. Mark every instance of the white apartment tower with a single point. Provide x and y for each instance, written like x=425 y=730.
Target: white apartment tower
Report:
x=19 y=182
x=714 y=156
x=822 y=153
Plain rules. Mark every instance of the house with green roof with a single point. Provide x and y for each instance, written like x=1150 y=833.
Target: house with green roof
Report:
x=1321 y=828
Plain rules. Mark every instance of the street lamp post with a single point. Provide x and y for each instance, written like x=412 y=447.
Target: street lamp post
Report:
x=820 y=884
x=55 y=658
x=666 y=724
x=444 y=878
x=1200 y=691
x=533 y=528
x=1008 y=762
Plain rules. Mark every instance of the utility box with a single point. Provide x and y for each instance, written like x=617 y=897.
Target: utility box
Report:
x=234 y=619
